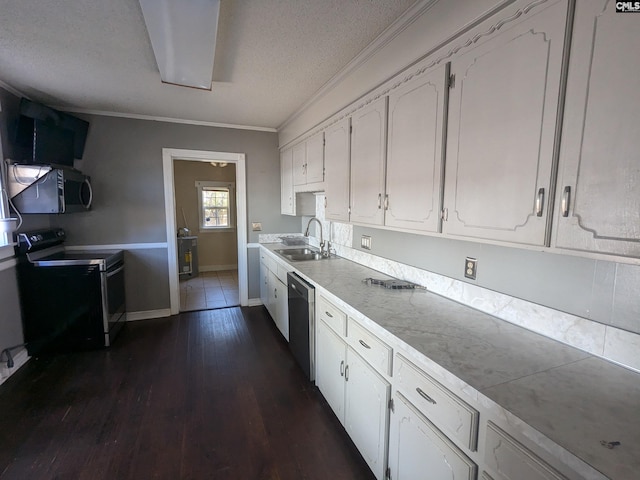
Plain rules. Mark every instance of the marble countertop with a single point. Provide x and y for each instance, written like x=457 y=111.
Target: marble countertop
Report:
x=570 y=396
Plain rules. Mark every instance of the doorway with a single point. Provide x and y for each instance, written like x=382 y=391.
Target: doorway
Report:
x=217 y=279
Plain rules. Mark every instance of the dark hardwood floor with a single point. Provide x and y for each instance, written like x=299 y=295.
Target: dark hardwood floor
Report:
x=202 y=395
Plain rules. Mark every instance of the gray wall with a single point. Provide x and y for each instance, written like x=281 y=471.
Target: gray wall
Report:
x=124 y=158
x=603 y=291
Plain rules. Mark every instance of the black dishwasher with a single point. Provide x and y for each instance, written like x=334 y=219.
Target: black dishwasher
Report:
x=301 y=296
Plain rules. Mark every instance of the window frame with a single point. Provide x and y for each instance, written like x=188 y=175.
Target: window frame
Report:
x=204 y=185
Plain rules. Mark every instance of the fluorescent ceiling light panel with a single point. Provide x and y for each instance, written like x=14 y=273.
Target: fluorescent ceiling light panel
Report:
x=183 y=37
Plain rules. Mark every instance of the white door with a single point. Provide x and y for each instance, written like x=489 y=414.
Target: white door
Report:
x=599 y=172
x=337 y=166
x=417 y=449
x=282 y=309
x=366 y=411
x=501 y=132
x=286 y=182
x=330 y=368
x=415 y=152
x=300 y=164
x=368 y=152
x=315 y=158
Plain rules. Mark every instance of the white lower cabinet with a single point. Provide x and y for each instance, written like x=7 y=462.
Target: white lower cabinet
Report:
x=281 y=307
x=357 y=394
x=417 y=449
x=273 y=293
x=510 y=460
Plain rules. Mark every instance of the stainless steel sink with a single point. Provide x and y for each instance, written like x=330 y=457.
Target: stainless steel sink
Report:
x=300 y=254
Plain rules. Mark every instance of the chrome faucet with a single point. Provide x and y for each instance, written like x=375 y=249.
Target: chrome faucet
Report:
x=322 y=244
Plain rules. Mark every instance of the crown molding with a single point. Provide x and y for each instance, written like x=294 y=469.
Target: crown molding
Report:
x=154 y=118
x=135 y=116
x=12 y=90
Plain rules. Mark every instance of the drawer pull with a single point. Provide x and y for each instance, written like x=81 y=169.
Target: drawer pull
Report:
x=425 y=396
x=364 y=344
x=328 y=314
x=342 y=368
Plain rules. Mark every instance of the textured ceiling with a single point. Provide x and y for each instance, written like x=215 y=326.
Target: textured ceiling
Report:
x=271 y=56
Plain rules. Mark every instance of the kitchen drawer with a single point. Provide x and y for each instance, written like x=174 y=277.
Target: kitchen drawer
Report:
x=453 y=416
x=373 y=350
x=511 y=460
x=268 y=261
x=332 y=316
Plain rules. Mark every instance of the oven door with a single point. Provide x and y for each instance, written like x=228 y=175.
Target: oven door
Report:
x=113 y=301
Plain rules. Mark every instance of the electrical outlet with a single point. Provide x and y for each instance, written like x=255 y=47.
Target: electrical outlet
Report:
x=365 y=242
x=470 y=267
x=256 y=226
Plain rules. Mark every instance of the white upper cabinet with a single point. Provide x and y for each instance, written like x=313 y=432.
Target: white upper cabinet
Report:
x=502 y=123
x=299 y=163
x=598 y=194
x=368 y=152
x=314 y=171
x=287 y=206
x=337 y=165
x=415 y=153
x=308 y=161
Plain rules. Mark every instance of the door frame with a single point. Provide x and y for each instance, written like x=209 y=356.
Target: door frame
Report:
x=169 y=155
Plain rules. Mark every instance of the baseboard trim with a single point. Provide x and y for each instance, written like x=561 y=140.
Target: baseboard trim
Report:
x=19 y=359
x=148 y=314
x=254 y=302
x=218 y=268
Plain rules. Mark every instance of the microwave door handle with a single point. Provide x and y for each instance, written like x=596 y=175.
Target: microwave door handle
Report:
x=88 y=205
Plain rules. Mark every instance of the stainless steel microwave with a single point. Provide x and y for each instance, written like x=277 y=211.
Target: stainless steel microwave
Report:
x=43 y=189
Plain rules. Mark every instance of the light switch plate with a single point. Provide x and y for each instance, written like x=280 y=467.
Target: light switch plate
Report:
x=256 y=226
x=470 y=267
x=365 y=242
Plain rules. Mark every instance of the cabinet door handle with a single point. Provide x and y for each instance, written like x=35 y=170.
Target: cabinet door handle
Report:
x=328 y=314
x=425 y=396
x=342 y=368
x=379 y=201
x=346 y=373
x=275 y=292
x=566 y=199
x=540 y=202
x=386 y=202
x=364 y=344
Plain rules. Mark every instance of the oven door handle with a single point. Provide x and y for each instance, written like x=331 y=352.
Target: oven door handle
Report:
x=116 y=271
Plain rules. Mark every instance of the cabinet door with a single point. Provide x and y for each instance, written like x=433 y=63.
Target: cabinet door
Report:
x=330 y=367
x=368 y=152
x=337 y=166
x=599 y=171
x=272 y=282
x=414 y=152
x=299 y=163
x=264 y=284
x=417 y=449
x=366 y=411
x=282 y=308
x=315 y=158
x=501 y=132
x=286 y=182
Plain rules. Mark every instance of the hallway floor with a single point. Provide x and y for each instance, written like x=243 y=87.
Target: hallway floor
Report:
x=209 y=290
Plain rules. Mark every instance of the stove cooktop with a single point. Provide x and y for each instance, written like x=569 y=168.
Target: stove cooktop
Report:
x=392 y=284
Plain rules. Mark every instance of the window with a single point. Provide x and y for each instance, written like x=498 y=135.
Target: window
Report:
x=216 y=205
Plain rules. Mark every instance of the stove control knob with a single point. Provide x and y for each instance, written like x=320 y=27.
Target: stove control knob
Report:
x=33 y=238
